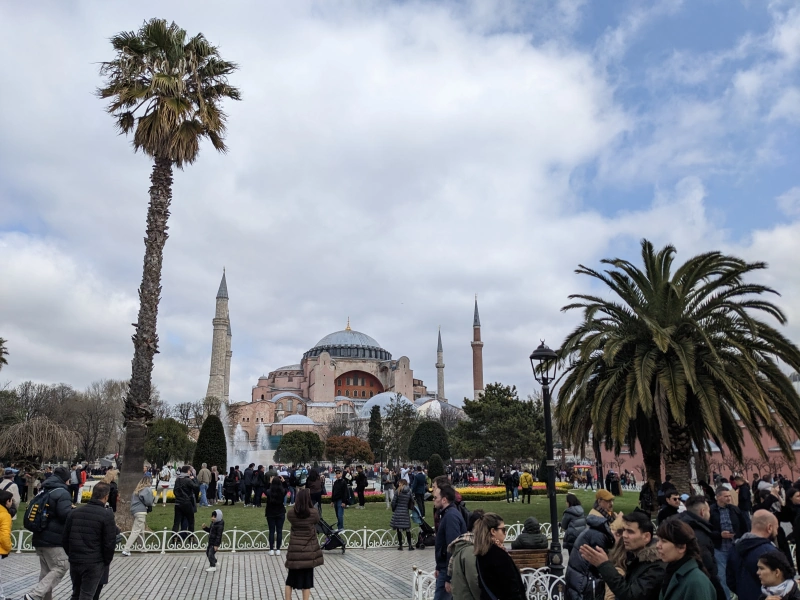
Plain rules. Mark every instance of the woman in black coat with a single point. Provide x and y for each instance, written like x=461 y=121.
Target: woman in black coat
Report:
x=276 y=514
x=231 y=487
x=498 y=576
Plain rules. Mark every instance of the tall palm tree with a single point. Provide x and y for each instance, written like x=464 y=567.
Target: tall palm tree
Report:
x=166 y=89
x=683 y=353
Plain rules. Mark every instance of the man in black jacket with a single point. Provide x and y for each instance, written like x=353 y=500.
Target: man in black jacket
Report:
x=53 y=561
x=248 y=484
x=89 y=537
x=338 y=498
x=670 y=508
x=186 y=489
x=727 y=525
x=361 y=485
x=697 y=517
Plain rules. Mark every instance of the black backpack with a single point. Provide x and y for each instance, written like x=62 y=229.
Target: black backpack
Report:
x=37 y=512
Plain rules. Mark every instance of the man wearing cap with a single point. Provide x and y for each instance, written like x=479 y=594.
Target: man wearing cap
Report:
x=53 y=561
x=12 y=488
x=670 y=508
x=582 y=578
x=338 y=498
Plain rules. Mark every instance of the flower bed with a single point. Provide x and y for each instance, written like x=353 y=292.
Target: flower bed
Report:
x=498 y=492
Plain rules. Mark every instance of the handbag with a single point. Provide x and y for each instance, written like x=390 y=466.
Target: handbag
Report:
x=484 y=587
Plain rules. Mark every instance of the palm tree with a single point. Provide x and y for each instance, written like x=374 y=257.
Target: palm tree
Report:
x=679 y=356
x=166 y=89
x=3 y=353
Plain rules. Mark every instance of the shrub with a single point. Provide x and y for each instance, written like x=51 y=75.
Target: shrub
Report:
x=211 y=447
x=435 y=466
x=429 y=438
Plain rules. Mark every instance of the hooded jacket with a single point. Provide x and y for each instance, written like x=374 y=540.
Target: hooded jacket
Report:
x=743 y=563
x=531 y=537
x=573 y=522
x=462 y=570
x=582 y=579
x=215 y=529
x=644 y=574
x=60 y=507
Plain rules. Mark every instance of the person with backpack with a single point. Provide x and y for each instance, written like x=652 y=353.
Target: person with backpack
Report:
x=142 y=501
x=214 y=531
x=9 y=486
x=46 y=516
x=186 y=490
x=515 y=484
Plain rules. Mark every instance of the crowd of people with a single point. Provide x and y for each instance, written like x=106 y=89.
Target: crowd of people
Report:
x=728 y=540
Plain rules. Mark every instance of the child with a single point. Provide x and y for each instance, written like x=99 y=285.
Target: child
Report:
x=214 y=538
x=6 y=502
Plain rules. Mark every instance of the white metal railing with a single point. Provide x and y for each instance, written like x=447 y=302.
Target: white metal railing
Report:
x=235 y=540
x=539 y=584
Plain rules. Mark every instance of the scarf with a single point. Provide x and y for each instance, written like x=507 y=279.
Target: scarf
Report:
x=671 y=569
x=781 y=590
x=608 y=516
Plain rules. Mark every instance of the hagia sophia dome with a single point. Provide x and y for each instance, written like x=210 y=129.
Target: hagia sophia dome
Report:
x=349 y=344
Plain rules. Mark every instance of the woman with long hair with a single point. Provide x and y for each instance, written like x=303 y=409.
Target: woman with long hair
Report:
x=142 y=501
x=314 y=485
x=498 y=576
x=573 y=521
x=276 y=514
x=777 y=577
x=212 y=488
x=304 y=553
x=686 y=578
x=231 y=487
x=111 y=480
x=402 y=502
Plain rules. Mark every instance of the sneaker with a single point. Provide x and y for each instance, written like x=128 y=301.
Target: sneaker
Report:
x=211 y=569
x=277 y=552
x=272 y=552
x=125 y=553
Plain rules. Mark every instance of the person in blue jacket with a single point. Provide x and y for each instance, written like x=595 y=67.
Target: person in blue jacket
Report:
x=742 y=573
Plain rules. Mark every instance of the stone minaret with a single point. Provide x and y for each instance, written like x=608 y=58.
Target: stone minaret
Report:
x=477 y=353
x=440 y=370
x=220 y=346
x=228 y=355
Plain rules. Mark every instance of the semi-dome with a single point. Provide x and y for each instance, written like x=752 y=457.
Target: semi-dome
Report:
x=349 y=344
x=282 y=395
x=297 y=420
x=381 y=400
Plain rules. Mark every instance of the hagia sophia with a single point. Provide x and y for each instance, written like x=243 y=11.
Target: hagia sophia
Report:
x=344 y=374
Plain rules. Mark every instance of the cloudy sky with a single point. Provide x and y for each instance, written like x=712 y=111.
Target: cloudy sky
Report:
x=388 y=162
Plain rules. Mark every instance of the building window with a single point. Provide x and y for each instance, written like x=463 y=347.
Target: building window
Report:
x=280 y=405
x=371 y=394
x=363 y=381
x=262 y=396
x=338 y=392
x=299 y=408
x=288 y=406
x=291 y=378
x=339 y=381
x=348 y=381
x=363 y=394
x=347 y=393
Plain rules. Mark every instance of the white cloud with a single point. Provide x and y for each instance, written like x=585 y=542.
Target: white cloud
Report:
x=789 y=201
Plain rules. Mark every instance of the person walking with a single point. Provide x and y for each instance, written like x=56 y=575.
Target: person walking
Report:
x=451 y=525
x=111 y=479
x=204 y=480
x=776 y=575
x=573 y=521
x=338 y=498
x=303 y=554
x=216 y=485
x=401 y=522
x=526 y=483
x=685 y=577
x=258 y=485
x=498 y=576
x=142 y=501
x=361 y=486
x=6 y=501
x=164 y=477
x=215 y=531
x=185 y=492
x=387 y=484
x=742 y=573
x=462 y=570
x=727 y=526
x=418 y=487
x=8 y=485
x=589 y=480
x=53 y=561
x=74 y=483
x=275 y=513
x=89 y=538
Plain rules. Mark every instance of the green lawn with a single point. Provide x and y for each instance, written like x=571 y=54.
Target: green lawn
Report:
x=375 y=515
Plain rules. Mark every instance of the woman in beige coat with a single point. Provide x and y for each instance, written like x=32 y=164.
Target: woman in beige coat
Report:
x=304 y=553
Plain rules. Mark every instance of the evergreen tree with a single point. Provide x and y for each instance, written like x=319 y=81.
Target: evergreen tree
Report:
x=212 y=448
x=429 y=438
x=298 y=447
x=375 y=429
x=435 y=466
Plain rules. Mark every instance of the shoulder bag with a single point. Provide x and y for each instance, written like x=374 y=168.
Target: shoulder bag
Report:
x=484 y=587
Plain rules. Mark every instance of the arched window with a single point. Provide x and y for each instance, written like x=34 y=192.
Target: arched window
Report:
x=262 y=396
x=280 y=405
x=347 y=393
x=289 y=405
x=339 y=392
x=363 y=394
x=299 y=408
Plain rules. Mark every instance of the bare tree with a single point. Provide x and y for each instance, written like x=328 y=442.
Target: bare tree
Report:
x=161 y=410
x=450 y=416
x=95 y=416
x=183 y=413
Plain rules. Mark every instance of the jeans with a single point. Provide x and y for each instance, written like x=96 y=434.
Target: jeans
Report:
x=220 y=483
x=203 y=496
x=338 y=509
x=73 y=490
x=258 y=491
x=85 y=579
x=53 y=564
x=389 y=495
x=722 y=564
x=139 y=520
x=275 y=530
x=516 y=492
x=212 y=556
x=289 y=498
x=441 y=593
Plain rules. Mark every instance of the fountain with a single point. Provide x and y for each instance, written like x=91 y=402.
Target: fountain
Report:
x=241 y=450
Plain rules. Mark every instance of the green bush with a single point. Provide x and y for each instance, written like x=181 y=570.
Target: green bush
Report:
x=429 y=438
x=211 y=446
x=435 y=466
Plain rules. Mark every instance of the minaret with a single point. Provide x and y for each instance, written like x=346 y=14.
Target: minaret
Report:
x=477 y=353
x=440 y=370
x=220 y=344
x=228 y=355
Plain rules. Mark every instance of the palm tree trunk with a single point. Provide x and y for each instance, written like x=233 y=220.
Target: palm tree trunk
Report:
x=677 y=458
x=138 y=413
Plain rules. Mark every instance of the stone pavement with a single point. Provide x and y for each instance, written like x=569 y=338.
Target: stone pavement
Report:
x=383 y=574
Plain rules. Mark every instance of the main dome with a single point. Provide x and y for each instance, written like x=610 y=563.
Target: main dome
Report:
x=349 y=344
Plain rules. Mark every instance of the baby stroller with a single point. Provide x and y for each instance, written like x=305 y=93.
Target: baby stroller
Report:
x=427 y=535
x=332 y=539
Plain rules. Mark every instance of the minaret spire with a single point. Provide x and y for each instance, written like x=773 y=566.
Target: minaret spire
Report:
x=477 y=353
x=219 y=375
x=440 y=370
x=348 y=325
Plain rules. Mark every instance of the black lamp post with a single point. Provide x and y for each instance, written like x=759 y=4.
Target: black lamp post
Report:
x=160 y=442
x=544 y=362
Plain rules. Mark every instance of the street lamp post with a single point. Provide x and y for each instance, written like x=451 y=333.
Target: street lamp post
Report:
x=160 y=442
x=544 y=362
